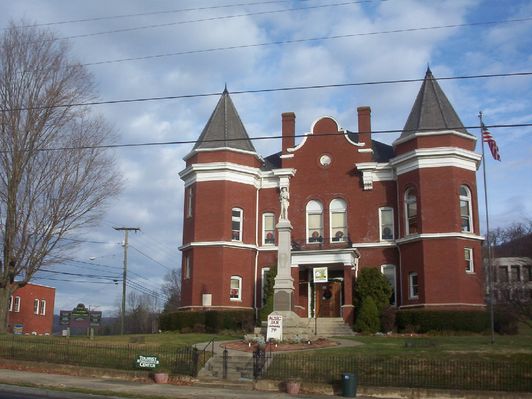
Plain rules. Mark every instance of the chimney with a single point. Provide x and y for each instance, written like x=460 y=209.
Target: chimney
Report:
x=289 y=130
x=364 y=125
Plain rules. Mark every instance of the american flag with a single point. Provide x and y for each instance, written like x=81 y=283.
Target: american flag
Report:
x=488 y=138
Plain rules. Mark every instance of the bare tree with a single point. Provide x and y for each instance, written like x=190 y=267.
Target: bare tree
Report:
x=143 y=314
x=54 y=176
x=172 y=290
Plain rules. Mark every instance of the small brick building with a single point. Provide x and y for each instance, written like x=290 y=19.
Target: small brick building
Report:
x=409 y=209
x=32 y=307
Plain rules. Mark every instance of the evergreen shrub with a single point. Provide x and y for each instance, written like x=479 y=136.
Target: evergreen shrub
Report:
x=368 y=317
x=422 y=321
x=210 y=321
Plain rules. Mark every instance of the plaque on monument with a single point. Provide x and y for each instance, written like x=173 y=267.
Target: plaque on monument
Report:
x=275 y=327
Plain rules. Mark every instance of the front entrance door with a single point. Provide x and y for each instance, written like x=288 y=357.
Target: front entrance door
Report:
x=328 y=299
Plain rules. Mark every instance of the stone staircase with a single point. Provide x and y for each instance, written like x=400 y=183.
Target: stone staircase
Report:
x=330 y=327
x=239 y=368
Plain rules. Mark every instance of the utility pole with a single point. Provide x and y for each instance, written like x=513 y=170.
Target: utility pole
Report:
x=126 y=230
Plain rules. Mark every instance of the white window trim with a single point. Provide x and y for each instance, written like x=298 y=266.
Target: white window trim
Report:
x=11 y=299
x=406 y=203
x=36 y=306
x=471 y=268
x=307 y=213
x=394 y=280
x=42 y=311
x=239 y=279
x=240 y=219
x=386 y=208
x=469 y=201
x=264 y=272
x=411 y=285
x=331 y=211
x=17 y=304
x=264 y=228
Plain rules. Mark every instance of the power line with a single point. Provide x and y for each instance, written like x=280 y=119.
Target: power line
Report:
x=270 y=90
x=295 y=41
x=210 y=19
x=73 y=281
x=175 y=11
x=96 y=276
x=150 y=258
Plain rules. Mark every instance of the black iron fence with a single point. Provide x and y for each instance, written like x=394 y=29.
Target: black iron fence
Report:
x=512 y=374
x=181 y=360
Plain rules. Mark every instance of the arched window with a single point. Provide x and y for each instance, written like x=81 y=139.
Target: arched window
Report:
x=237 y=215
x=466 y=209
x=411 y=226
x=338 y=218
x=314 y=222
x=235 y=292
x=268 y=228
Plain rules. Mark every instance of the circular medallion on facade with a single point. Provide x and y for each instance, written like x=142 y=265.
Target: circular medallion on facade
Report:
x=325 y=160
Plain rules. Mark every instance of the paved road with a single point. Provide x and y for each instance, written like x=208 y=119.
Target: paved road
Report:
x=14 y=392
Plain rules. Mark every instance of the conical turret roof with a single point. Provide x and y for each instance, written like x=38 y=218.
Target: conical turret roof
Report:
x=432 y=110
x=224 y=128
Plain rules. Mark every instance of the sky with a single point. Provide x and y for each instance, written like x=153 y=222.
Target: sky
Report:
x=143 y=49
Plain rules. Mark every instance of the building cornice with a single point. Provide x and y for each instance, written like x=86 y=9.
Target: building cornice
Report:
x=409 y=137
x=437 y=157
x=432 y=236
x=225 y=244
x=198 y=150
x=345 y=256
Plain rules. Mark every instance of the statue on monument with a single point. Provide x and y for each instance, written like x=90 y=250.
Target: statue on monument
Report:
x=284 y=198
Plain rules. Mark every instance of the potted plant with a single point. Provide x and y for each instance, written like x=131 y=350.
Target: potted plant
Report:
x=292 y=386
x=160 y=375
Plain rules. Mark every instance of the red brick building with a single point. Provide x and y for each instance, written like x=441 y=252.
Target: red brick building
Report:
x=409 y=209
x=32 y=307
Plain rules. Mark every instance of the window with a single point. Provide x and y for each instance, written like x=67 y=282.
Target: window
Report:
x=528 y=269
x=190 y=195
x=265 y=271
x=235 y=293
x=413 y=286
x=43 y=307
x=515 y=273
x=236 y=224
x=386 y=224
x=503 y=274
x=186 y=267
x=465 y=209
x=411 y=212
x=17 y=304
x=338 y=218
x=11 y=303
x=36 y=306
x=389 y=273
x=314 y=221
x=268 y=229
x=468 y=256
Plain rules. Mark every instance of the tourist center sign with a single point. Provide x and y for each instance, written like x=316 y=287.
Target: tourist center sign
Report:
x=147 y=362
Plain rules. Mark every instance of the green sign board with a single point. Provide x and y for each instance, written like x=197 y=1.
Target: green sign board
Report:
x=147 y=362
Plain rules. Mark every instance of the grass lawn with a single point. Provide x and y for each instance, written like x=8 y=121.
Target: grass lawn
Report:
x=164 y=339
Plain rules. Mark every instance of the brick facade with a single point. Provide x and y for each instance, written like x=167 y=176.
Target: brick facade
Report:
x=32 y=306
x=348 y=209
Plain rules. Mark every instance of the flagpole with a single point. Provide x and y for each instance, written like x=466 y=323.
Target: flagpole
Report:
x=490 y=266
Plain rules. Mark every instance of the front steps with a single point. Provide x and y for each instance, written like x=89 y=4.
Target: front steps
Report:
x=330 y=327
x=239 y=368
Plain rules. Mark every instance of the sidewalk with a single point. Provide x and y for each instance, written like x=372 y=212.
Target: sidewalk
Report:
x=130 y=388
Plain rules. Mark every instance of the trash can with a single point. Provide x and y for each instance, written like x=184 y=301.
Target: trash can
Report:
x=349 y=385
